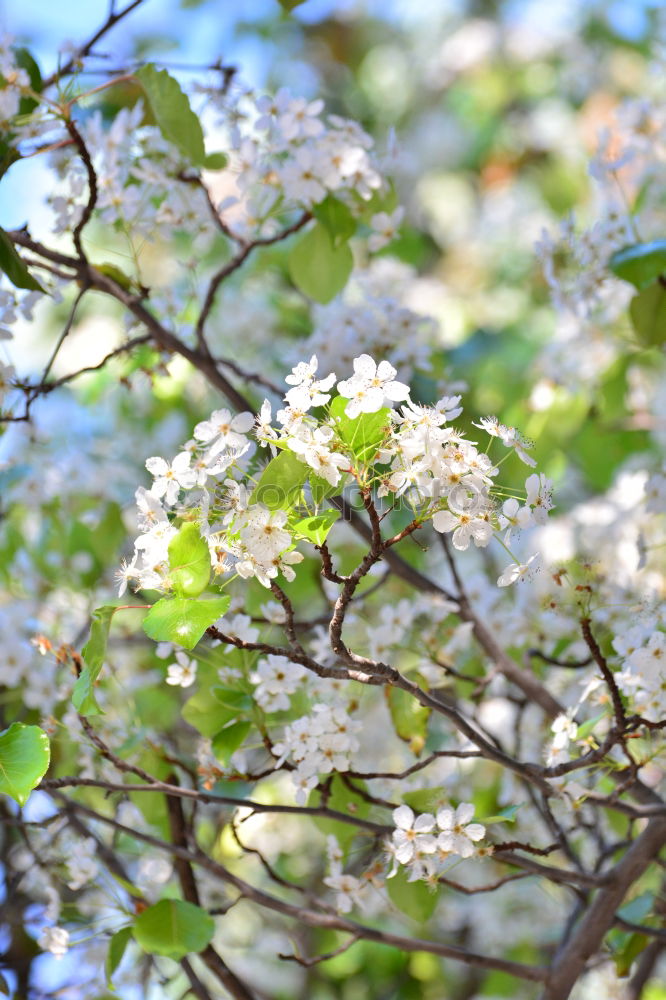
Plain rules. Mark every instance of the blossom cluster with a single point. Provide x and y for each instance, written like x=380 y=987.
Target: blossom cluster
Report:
x=317 y=744
x=438 y=471
x=415 y=844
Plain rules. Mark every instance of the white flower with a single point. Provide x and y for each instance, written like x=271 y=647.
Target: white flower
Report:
x=308 y=391
x=465 y=528
x=263 y=532
x=55 y=940
x=385 y=228
x=222 y=431
x=518 y=571
x=182 y=673
x=370 y=386
x=169 y=479
x=458 y=834
x=412 y=834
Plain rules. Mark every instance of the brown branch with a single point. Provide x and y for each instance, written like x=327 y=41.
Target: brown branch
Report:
x=571 y=959
x=317 y=918
x=85 y=49
x=602 y=663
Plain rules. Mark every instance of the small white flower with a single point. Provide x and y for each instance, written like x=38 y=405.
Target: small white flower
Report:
x=55 y=940
x=184 y=672
x=458 y=835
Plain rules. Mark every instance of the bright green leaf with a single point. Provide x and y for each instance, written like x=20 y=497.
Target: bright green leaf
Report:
x=173 y=928
x=206 y=714
x=363 y=434
x=640 y=264
x=94 y=654
x=13 y=266
x=627 y=951
x=117 y=946
x=416 y=899
x=410 y=719
x=321 y=489
x=317 y=267
x=281 y=482
x=507 y=815
x=587 y=727
x=172 y=112
x=315 y=529
x=215 y=161
x=345 y=800
x=424 y=799
x=115 y=273
x=24 y=58
x=183 y=620
x=189 y=561
x=24 y=760
x=337 y=219
x=229 y=739
x=648 y=315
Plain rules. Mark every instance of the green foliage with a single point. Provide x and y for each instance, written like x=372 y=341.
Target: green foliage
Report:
x=363 y=434
x=410 y=719
x=211 y=709
x=183 y=620
x=13 y=266
x=341 y=798
x=336 y=218
x=117 y=946
x=189 y=561
x=281 y=482
x=416 y=899
x=640 y=264
x=94 y=654
x=648 y=315
x=315 y=529
x=24 y=759
x=26 y=61
x=507 y=815
x=319 y=267
x=172 y=112
x=229 y=739
x=173 y=928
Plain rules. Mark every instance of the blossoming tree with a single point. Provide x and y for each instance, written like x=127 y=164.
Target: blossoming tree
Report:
x=334 y=715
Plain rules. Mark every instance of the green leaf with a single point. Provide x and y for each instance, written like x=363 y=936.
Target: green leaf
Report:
x=321 y=489
x=416 y=899
x=206 y=714
x=172 y=112
x=336 y=218
x=281 y=482
x=115 y=273
x=183 y=620
x=627 y=950
x=315 y=529
x=410 y=719
x=345 y=800
x=189 y=561
x=638 y=908
x=289 y=5
x=24 y=760
x=4 y=986
x=641 y=263
x=648 y=315
x=318 y=268
x=424 y=800
x=363 y=434
x=25 y=60
x=173 y=928
x=507 y=815
x=587 y=727
x=94 y=654
x=117 y=946
x=229 y=739
x=13 y=266
x=215 y=161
